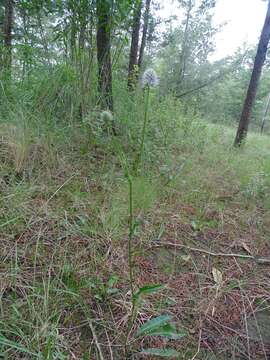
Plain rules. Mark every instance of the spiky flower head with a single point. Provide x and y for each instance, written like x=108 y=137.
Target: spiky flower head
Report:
x=149 y=78
x=106 y=116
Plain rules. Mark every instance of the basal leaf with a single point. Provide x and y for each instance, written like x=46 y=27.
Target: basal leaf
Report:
x=165 y=353
x=148 y=289
x=168 y=331
x=153 y=324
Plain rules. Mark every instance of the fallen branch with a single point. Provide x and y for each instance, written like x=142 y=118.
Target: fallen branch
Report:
x=258 y=260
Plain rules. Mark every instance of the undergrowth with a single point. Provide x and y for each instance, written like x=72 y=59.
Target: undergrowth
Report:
x=64 y=290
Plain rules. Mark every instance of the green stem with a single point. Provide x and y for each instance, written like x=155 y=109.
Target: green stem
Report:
x=140 y=154
x=130 y=262
x=130 y=236
x=137 y=164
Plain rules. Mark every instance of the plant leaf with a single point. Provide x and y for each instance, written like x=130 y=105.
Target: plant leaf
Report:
x=112 y=281
x=168 y=331
x=112 y=291
x=168 y=353
x=153 y=324
x=148 y=289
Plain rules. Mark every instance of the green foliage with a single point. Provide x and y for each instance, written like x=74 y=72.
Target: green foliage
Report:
x=147 y=290
x=222 y=101
x=168 y=331
x=184 y=56
x=153 y=324
x=160 y=326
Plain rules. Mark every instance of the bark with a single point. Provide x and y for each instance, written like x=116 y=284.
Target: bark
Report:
x=254 y=81
x=104 y=55
x=133 y=55
x=81 y=65
x=7 y=32
x=43 y=39
x=25 y=33
x=73 y=34
x=82 y=36
x=144 y=32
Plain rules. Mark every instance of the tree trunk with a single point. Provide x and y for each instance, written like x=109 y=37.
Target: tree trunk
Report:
x=183 y=56
x=82 y=36
x=104 y=55
x=73 y=35
x=43 y=39
x=7 y=31
x=81 y=65
x=144 y=32
x=133 y=61
x=254 y=81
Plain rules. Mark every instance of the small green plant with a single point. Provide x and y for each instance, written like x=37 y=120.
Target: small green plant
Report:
x=104 y=290
x=161 y=325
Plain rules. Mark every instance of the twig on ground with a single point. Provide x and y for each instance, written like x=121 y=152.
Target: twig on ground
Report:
x=258 y=260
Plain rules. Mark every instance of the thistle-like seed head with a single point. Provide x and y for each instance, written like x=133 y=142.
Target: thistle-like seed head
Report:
x=149 y=78
x=106 y=116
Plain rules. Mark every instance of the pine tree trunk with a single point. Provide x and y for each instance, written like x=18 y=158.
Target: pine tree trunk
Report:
x=7 y=32
x=144 y=33
x=133 y=61
x=254 y=81
x=81 y=66
x=104 y=55
x=73 y=35
x=82 y=36
x=184 y=50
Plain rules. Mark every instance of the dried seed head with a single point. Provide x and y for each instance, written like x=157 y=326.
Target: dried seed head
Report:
x=106 y=116
x=149 y=78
